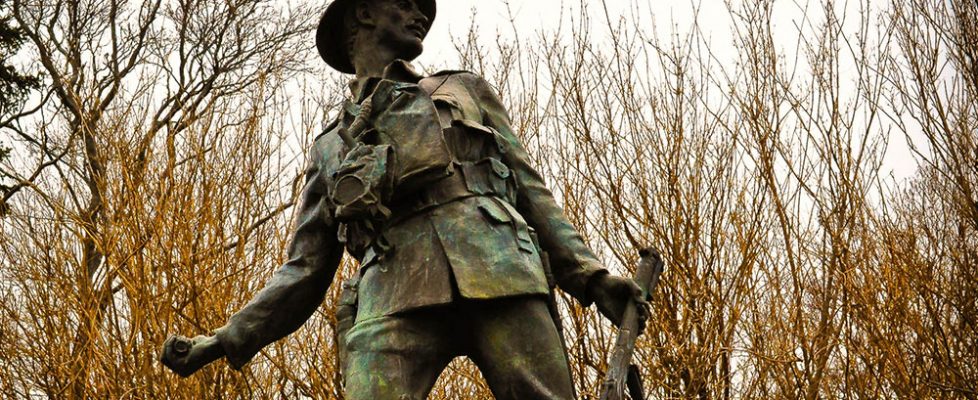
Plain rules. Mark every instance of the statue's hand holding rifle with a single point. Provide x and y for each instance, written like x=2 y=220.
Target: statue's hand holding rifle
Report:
x=621 y=372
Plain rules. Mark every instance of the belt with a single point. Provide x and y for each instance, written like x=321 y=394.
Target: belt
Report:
x=488 y=177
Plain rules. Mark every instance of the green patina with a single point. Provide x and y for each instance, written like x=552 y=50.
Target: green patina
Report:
x=460 y=243
x=461 y=229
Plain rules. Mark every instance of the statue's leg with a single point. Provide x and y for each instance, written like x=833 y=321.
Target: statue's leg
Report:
x=397 y=357
x=518 y=350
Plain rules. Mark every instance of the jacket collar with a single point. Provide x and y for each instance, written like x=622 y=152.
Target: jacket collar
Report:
x=398 y=70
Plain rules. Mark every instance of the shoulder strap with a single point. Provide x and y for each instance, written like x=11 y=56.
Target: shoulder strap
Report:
x=431 y=84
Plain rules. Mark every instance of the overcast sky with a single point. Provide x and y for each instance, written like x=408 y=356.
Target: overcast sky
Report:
x=531 y=16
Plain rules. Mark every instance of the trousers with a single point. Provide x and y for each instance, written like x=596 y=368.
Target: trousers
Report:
x=513 y=341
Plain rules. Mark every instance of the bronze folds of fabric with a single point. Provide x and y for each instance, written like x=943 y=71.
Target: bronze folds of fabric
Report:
x=363 y=184
x=406 y=119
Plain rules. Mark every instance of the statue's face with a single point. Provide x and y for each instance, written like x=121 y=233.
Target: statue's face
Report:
x=401 y=25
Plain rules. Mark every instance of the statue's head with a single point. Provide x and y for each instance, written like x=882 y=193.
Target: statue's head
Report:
x=351 y=26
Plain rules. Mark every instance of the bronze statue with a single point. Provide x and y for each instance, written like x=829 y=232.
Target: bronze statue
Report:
x=423 y=181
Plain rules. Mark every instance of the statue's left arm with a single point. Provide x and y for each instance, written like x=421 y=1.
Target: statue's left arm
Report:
x=573 y=263
x=574 y=266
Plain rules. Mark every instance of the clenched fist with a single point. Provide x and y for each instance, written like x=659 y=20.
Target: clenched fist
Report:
x=185 y=356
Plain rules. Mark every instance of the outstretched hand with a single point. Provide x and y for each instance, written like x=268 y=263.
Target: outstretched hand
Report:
x=611 y=293
x=185 y=356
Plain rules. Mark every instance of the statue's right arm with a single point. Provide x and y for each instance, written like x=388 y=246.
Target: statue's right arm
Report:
x=289 y=297
x=296 y=289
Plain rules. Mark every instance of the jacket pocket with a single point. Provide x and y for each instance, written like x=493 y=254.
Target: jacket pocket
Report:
x=525 y=240
x=495 y=215
x=499 y=216
x=449 y=103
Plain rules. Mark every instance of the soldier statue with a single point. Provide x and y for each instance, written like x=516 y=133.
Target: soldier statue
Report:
x=460 y=244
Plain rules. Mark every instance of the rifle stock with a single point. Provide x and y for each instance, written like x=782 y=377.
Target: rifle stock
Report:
x=621 y=372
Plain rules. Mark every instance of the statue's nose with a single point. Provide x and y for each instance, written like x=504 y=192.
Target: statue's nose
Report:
x=419 y=17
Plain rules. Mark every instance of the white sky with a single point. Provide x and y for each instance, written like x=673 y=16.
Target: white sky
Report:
x=668 y=17
x=532 y=16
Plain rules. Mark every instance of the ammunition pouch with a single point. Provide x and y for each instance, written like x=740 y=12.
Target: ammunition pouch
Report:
x=363 y=184
x=401 y=148
x=406 y=119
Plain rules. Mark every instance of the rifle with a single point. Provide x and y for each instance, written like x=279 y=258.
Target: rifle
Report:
x=621 y=372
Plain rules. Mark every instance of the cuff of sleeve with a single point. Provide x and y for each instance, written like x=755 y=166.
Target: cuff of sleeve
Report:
x=230 y=342
x=586 y=299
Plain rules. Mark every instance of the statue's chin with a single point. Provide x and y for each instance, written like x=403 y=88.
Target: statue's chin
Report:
x=410 y=51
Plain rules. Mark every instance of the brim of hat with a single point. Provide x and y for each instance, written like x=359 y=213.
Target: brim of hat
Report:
x=331 y=37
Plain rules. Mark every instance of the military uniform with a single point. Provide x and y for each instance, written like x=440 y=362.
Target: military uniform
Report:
x=450 y=269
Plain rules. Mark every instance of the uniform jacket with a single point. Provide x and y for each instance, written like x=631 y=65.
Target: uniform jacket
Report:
x=478 y=246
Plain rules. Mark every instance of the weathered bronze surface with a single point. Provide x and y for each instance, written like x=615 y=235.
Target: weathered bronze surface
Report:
x=424 y=182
